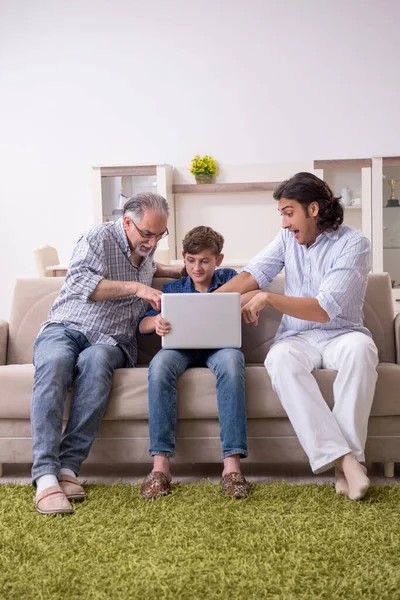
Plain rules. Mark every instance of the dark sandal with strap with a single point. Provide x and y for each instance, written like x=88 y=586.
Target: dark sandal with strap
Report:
x=155 y=485
x=235 y=485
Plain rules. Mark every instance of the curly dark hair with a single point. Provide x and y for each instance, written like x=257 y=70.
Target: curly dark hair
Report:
x=306 y=188
x=203 y=238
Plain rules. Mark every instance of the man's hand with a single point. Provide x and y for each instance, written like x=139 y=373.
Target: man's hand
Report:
x=251 y=310
x=162 y=327
x=173 y=271
x=150 y=294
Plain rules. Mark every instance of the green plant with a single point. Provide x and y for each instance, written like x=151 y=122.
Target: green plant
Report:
x=205 y=164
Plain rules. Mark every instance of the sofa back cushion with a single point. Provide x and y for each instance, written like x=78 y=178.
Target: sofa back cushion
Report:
x=34 y=297
x=378 y=318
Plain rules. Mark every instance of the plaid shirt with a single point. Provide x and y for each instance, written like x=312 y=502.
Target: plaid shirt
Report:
x=102 y=253
x=184 y=285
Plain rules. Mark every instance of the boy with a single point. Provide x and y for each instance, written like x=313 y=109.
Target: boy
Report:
x=202 y=249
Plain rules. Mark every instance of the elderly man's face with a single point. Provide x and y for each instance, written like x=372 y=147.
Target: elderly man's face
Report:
x=145 y=234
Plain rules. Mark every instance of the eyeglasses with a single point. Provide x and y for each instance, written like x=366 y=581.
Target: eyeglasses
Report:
x=147 y=235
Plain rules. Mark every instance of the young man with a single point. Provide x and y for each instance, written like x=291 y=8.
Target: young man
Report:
x=326 y=268
x=202 y=253
x=90 y=332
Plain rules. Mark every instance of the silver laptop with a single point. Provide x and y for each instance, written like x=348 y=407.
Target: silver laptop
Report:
x=202 y=320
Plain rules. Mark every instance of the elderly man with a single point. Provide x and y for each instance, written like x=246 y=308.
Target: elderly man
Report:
x=90 y=331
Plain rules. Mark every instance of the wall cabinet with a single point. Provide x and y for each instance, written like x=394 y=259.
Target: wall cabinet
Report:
x=386 y=219
x=112 y=186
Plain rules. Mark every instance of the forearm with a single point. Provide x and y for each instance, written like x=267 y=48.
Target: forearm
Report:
x=244 y=298
x=307 y=309
x=242 y=283
x=175 y=272
x=147 y=325
x=109 y=290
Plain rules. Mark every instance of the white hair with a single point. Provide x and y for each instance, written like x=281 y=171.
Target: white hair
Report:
x=137 y=205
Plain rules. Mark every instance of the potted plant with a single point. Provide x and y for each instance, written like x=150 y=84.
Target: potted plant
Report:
x=204 y=168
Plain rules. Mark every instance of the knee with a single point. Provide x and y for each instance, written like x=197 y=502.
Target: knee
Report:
x=55 y=360
x=230 y=362
x=282 y=358
x=362 y=351
x=276 y=356
x=162 y=365
x=95 y=357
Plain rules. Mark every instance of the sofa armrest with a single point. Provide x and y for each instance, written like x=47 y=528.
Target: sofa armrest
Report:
x=397 y=337
x=3 y=341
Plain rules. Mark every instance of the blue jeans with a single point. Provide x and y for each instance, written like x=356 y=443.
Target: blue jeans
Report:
x=63 y=357
x=167 y=366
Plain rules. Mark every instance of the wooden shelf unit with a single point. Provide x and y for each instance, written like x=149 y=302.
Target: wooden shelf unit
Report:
x=215 y=188
x=348 y=163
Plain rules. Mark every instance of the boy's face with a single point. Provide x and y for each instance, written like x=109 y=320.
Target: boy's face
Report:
x=200 y=267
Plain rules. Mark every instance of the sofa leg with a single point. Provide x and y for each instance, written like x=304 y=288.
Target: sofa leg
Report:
x=388 y=469
x=1 y=470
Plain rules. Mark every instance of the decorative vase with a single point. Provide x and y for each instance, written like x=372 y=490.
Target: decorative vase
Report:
x=204 y=177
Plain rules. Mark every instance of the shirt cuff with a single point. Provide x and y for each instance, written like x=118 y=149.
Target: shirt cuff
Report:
x=260 y=278
x=329 y=305
x=85 y=289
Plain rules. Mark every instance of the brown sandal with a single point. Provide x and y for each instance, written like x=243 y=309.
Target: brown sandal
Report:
x=155 y=485
x=235 y=485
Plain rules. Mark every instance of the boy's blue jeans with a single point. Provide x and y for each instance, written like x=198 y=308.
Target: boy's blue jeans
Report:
x=64 y=357
x=164 y=370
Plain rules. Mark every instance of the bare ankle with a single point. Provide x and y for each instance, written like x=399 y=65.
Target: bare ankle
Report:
x=231 y=464
x=161 y=463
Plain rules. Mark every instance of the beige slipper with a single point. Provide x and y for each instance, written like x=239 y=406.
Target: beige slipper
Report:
x=52 y=501
x=72 y=488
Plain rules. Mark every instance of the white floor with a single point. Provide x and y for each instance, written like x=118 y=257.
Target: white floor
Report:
x=196 y=473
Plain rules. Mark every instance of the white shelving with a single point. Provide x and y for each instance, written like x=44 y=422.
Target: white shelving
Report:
x=107 y=182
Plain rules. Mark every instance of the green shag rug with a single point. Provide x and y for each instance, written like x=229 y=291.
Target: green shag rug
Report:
x=284 y=541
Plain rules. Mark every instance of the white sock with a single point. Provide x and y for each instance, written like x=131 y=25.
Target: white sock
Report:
x=44 y=482
x=67 y=472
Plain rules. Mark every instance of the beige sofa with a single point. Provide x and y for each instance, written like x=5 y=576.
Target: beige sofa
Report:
x=124 y=433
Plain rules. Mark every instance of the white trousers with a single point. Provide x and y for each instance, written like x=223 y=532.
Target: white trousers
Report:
x=324 y=434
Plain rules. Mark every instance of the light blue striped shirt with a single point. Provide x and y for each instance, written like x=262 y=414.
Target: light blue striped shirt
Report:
x=333 y=270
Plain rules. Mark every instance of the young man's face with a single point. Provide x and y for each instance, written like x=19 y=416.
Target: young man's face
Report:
x=304 y=227
x=145 y=234
x=200 y=267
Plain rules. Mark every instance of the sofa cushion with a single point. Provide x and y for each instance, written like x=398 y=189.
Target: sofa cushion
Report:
x=196 y=388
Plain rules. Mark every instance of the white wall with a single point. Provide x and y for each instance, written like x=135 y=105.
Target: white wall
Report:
x=149 y=81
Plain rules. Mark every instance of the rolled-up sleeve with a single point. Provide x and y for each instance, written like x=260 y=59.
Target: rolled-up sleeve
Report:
x=269 y=262
x=346 y=281
x=87 y=268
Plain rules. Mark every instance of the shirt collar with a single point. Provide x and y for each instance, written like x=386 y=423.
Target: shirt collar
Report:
x=216 y=282
x=332 y=235
x=119 y=227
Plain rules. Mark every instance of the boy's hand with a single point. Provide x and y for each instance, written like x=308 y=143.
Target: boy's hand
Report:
x=162 y=327
x=251 y=310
